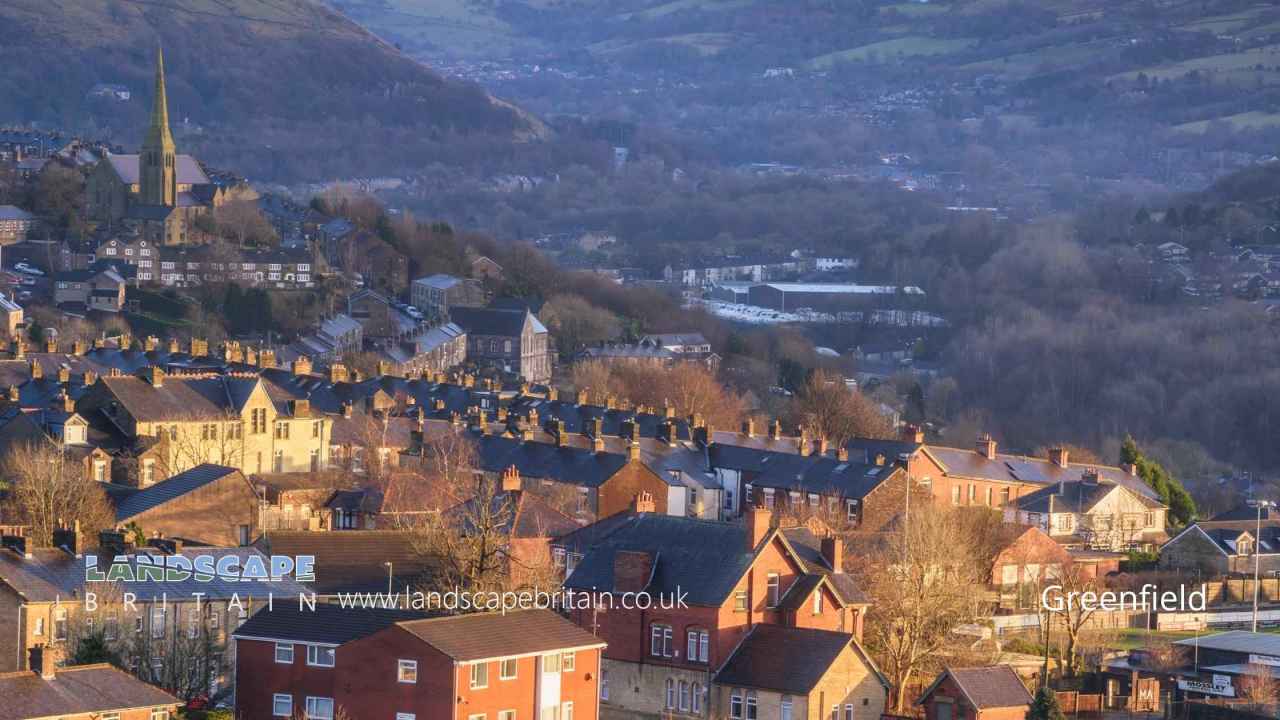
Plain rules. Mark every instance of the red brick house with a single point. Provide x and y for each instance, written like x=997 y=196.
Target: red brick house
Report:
x=980 y=693
x=398 y=664
x=731 y=578
x=80 y=692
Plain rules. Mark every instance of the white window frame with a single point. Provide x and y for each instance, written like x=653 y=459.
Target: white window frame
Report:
x=314 y=655
x=479 y=676
x=502 y=669
x=277 y=698
x=284 y=647
x=316 y=703
x=407 y=671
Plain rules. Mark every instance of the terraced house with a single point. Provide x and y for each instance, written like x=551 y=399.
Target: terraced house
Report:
x=226 y=419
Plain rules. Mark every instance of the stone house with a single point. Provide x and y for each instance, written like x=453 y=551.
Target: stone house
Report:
x=1224 y=547
x=1092 y=513
x=512 y=340
x=208 y=504
x=82 y=692
x=87 y=290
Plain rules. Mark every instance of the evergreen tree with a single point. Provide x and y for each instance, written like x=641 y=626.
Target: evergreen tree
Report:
x=93 y=648
x=1182 y=508
x=1045 y=706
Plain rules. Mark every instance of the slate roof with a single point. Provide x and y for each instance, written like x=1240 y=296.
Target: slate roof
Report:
x=329 y=624
x=480 y=636
x=1005 y=467
x=993 y=686
x=490 y=321
x=1244 y=512
x=189 y=171
x=351 y=560
x=783 y=659
x=182 y=397
x=75 y=691
x=1225 y=533
x=530 y=516
x=1078 y=496
x=1240 y=641
x=13 y=212
x=171 y=488
x=439 y=281
x=821 y=474
x=545 y=461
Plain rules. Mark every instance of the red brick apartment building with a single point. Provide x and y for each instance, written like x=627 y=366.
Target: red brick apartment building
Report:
x=526 y=665
x=733 y=578
x=79 y=692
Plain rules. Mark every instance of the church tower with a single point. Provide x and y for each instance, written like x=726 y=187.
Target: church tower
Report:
x=158 y=164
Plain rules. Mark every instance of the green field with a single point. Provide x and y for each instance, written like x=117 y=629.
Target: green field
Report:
x=910 y=46
x=1247 y=120
x=1052 y=58
x=1226 y=66
x=915 y=9
x=1224 y=23
x=705 y=43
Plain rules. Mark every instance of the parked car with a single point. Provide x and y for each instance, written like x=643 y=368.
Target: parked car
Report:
x=22 y=267
x=413 y=312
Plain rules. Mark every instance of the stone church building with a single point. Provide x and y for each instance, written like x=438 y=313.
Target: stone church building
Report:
x=157 y=191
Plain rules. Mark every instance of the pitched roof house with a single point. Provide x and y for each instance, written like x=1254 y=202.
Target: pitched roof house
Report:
x=979 y=693
x=80 y=692
x=1221 y=547
x=1092 y=513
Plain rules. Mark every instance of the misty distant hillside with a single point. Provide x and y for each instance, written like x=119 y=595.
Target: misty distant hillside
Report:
x=321 y=92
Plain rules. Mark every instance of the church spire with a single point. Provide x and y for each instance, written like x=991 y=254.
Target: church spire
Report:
x=158 y=161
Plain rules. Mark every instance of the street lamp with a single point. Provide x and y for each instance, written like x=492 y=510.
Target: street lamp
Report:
x=391 y=592
x=1257 y=554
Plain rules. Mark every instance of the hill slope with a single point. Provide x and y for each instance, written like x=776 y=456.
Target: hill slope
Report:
x=245 y=75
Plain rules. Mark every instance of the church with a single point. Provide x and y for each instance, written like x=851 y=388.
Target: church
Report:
x=157 y=192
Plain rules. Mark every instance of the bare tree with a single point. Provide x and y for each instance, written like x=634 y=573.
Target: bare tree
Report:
x=1257 y=687
x=1071 y=582
x=826 y=408
x=922 y=584
x=242 y=221
x=46 y=492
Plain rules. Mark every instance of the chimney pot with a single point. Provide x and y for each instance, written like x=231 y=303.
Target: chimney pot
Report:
x=758 y=522
x=987 y=446
x=833 y=553
x=1058 y=456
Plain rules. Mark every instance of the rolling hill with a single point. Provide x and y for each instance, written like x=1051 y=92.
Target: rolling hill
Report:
x=282 y=88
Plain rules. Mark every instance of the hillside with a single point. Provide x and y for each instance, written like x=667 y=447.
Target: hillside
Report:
x=322 y=93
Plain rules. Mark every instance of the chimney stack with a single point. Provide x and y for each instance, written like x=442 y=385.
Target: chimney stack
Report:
x=803 y=444
x=37 y=371
x=628 y=430
x=337 y=373
x=1058 y=456
x=301 y=366
x=842 y=454
x=151 y=343
x=174 y=347
x=631 y=570
x=912 y=434
x=78 y=347
x=154 y=375
x=267 y=358
x=633 y=451
x=597 y=444
x=583 y=396
x=987 y=446
x=643 y=503
x=346 y=410
x=1130 y=468
x=667 y=432
x=64 y=374
x=833 y=553
x=775 y=430
x=749 y=427
x=758 y=521
x=562 y=438
x=511 y=480
x=51 y=345
x=300 y=407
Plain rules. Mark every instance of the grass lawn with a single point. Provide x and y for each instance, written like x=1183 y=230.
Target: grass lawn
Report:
x=912 y=45
x=1228 y=64
x=1242 y=121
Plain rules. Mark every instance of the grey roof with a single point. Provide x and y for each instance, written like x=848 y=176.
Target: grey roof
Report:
x=992 y=686
x=439 y=281
x=1226 y=533
x=1078 y=496
x=329 y=624
x=12 y=212
x=480 y=636
x=1241 y=641
x=1006 y=467
x=189 y=171
x=544 y=461
x=76 y=691
x=171 y=488
x=783 y=659
x=490 y=321
x=821 y=474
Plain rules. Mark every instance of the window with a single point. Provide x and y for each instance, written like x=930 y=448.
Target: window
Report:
x=851 y=510
x=281 y=705
x=193 y=623
x=604 y=684
x=258 y=421
x=109 y=716
x=159 y=714
x=506 y=715
x=137 y=624
x=817 y=602
x=568 y=661
x=699 y=642
x=235 y=431
x=1148 y=519
x=989 y=492
x=408 y=716
x=698 y=699
x=671 y=694
x=320 y=656
x=972 y=493
x=848 y=711
x=660 y=640
x=319 y=708
x=835 y=712
x=784 y=710
x=684 y=696
x=479 y=676
x=735 y=705
x=740 y=601
x=111 y=629
x=157 y=621
x=507 y=669
x=316 y=426
x=793 y=498
x=407 y=671
x=282 y=430
x=566 y=711
x=773 y=584
x=955 y=494
x=39 y=627
x=1004 y=496
x=751 y=705
x=550 y=663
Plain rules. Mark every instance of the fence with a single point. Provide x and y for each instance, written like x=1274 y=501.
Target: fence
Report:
x=1219 y=710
